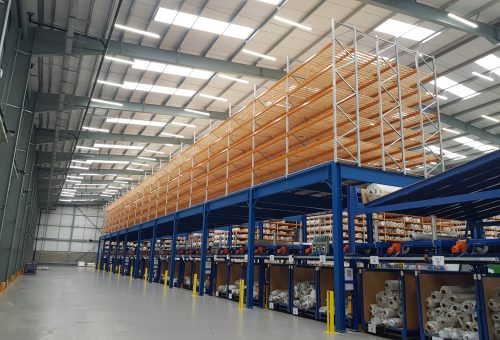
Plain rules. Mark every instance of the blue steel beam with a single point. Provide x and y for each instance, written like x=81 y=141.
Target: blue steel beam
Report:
x=173 y=251
x=152 y=257
x=250 y=249
x=204 y=247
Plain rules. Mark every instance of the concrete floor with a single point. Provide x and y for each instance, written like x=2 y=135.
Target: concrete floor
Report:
x=80 y=303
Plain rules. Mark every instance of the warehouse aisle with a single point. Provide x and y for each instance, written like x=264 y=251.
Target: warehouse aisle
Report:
x=80 y=303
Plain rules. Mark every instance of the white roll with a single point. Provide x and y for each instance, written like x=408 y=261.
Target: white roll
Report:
x=433 y=313
x=394 y=302
x=389 y=313
x=432 y=327
x=469 y=306
x=464 y=318
x=461 y=297
x=374 y=191
x=394 y=322
x=391 y=284
x=496 y=316
x=470 y=336
x=451 y=314
x=471 y=326
x=446 y=303
x=447 y=322
x=382 y=300
x=437 y=295
x=494 y=305
x=450 y=290
x=373 y=307
x=456 y=307
x=431 y=303
x=496 y=294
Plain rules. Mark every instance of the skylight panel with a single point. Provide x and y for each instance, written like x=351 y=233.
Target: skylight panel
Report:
x=140 y=64
x=128 y=85
x=405 y=30
x=202 y=23
x=491 y=62
x=201 y=74
x=144 y=87
x=156 y=67
x=475 y=144
x=184 y=93
x=210 y=25
x=163 y=89
x=455 y=88
x=446 y=153
x=462 y=91
x=177 y=70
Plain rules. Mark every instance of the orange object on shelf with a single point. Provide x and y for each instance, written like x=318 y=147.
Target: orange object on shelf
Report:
x=460 y=247
x=394 y=248
x=308 y=250
x=281 y=250
x=346 y=249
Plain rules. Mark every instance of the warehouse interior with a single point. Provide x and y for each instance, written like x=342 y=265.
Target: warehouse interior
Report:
x=250 y=168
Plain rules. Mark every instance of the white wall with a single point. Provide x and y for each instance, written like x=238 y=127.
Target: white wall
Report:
x=69 y=234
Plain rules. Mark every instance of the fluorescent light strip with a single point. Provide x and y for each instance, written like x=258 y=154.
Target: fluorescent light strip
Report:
x=69 y=190
x=137 y=31
x=147 y=158
x=89 y=185
x=120 y=182
x=86 y=148
x=271 y=2
x=90 y=174
x=451 y=131
x=169 y=144
x=140 y=170
x=105 y=82
x=189 y=21
x=65 y=200
x=73 y=181
x=183 y=124
x=198 y=112
x=257 y=54
x=182 y=71
x=118 y=146
x=140 y=164
x=106 y=102
x=462 y=20
x=135 y=122
x=78 y=167
x=112 y=187
x=172 y=135
x=105 y=195
x=491 y=118
x=88 y=128
x=238 y=80
x=490 y=62
x=446 y=153
x=482 y=76
x=153 y=151
x=292 y=23
x=157 y=89
x=105 y=161
x=125 y=178
x=120 y=60
x=440 y=96
x=74 y=177
x=204 y=95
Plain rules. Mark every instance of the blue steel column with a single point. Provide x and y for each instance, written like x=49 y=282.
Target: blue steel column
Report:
x=204 y=245
x=369 y=228
x=115 y=258
x=351 y=214
x=108 y=254
x=338 y=248
x=250 y=249
x=173 y=251
x=152 y=257
x=98 y=259
x=137 y=254
x=125 y=249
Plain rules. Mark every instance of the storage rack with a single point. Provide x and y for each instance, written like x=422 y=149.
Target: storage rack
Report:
x=350 y=115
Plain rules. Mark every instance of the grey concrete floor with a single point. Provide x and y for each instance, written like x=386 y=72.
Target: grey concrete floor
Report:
x=69 y=303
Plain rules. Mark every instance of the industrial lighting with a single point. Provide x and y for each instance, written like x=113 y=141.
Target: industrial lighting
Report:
x=475 y=144
x=204 y=95
x=105 y=82
x=112 y=187
x=89 y=185
x=257 y=54
x=405 y=30
x=140 y=164
x=105 y=161
x=491 y=118
x=482 y=76
x=147 y=158
x=292 y=23
x=471 y=96
x=153 y=151
x=89 y=174
x=120 y=182
x=490 y=62
x=455 y=88
x=120 y=60
x=451 y=131
x=440 y=96
x=67 y=195
x=172 y=135
x=138 y=31
x=446 y=153
x=87 y=148
x=271 y=2
x=78 y=167
x=128 y=85
x=462 y=20
x=88 y=128
x=105 y=195
x=69 y=190
x=183 y=71
x=125 y=178
x=135 y=122
x=169 y=144
x=73 y=181
x=183 y=124
x=118 y=146
x=106 y=102
x=198 y=112
x=200 y=23
x=238 y=80
x=75 y=177
x=65 y=200
x=132 y=169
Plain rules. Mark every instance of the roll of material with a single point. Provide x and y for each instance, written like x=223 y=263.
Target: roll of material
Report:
x=471 y=326
x=392 y=285
x=469 y=306
x=470 y=336
x=496 y=316
x=459 y=298
x=456 y=307
x=494 y=305
x=433 y=327
x=374 y=191
x=437 y=295
x=451 y=333
x=446 y=303
x=496 y=294
x=382 y=299
x=447 y=291
x=431 y=303
x=389 y=313
x=474 y=317
x=433 y=313
x=394 y=302
x=447 y=322
x=394 y=322
x=373 y=307
x=451 y=314
x=464 y=318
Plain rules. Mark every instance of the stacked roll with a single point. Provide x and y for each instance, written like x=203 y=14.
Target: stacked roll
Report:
x=304 y=295
x=279 y=296
x=494 y=306
x=388 y=309
x=451 y=312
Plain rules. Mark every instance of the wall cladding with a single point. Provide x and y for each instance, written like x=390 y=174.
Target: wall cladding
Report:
x=69 y=234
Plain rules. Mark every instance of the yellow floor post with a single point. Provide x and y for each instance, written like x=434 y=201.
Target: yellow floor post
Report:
x=131 y=273
x=242 y=293
x=330 y=314
x=195 y=284
x=165 y=279
x=110 y=269
x=146 y=275
x=119 y=269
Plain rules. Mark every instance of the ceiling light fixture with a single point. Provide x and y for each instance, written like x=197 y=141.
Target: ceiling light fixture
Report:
x=104 y=161
x=88 y=128
x=462 y=20
x=147 y=158
x=90 y=174
x=183 y=124
x=257 y=54
x=238 y=80
x=204 y=95
x=158 y=89
x=491 y=118
x=112 y=187
x=123 y=182
x=451 y=131
x=132 y=169
x=74 y=177
x=172 y=135
x=137 y=31
x=73 y=181
x=125 y=178
x=139 y=164
x=73 y=190
x=117 y=146
x=482 y=76
x=198 y=112
x=183 y=71
x=440 y=96
x=153 y=151
x=65 y=200
x=135 y=122
x=78 y=167
x=120 y=60
x=105 y=82
x=271 y=2
x=105 y=195
x=106 y=102
x=454 y=87
x=292 y=23
x=87 y=148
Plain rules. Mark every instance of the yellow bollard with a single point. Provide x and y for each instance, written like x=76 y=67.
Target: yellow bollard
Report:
x=165 y=279
x=330 y=313
x=145 y=275
x=131 y=272
x=110 y=269
x=119 y=269
x=242 y=293
x=195 y=284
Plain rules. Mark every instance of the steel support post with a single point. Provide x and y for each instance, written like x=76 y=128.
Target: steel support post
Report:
x=125 y=252
x=137 y=255
x=115 y=257
x=204 y=246
x=108 y=254
x=250 y=249
x=152 y=257
x=338 y=248
x=369 y=228
x=98 y=260
x=173 y=251
x=351 y=218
